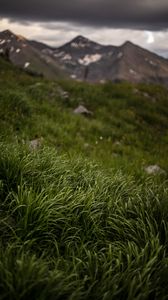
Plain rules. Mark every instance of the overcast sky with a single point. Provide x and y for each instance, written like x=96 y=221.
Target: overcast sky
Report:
x=144 y=22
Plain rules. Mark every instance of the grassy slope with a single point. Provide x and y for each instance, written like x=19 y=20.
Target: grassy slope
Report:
x=126 y=126
x=79 y=218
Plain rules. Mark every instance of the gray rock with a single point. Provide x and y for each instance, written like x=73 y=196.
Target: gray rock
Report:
x=82 y=110
x=154 y=170
x=35 y=144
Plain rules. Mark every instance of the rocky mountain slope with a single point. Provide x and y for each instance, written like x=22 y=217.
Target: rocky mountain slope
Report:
x=83 y=59
x=28 y=55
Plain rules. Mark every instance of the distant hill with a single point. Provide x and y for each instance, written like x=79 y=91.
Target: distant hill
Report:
x=83 y=59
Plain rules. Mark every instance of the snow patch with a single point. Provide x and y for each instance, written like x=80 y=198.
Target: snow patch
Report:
x=80 y=44
x=120 y=54
x=59 y=54
x=132 y=72
x=88 y=59
x=152 y=63
x=2 y=42
x=74 y=45
x=18 y=50
x=26 y=65
x=73 y=76
x=67 y=57
x=47 y=51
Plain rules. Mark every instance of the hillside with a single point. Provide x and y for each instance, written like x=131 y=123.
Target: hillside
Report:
x=129 y=122
x=81 y=218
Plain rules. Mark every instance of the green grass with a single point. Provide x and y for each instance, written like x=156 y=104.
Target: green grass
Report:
x=79 y=217
x=128 y=130
x=71 y=231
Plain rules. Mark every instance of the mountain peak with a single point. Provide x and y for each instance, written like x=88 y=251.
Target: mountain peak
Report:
x=6 y=33
x=80 y=40
x=127 y=44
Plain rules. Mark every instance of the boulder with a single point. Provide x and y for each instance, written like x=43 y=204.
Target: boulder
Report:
x=154 y=170
x=35 y=144
x=82 y=110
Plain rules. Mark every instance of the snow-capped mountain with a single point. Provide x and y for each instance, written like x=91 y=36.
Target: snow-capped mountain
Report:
x=83 y=59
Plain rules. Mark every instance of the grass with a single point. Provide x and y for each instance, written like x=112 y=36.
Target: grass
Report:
x=75 y=232
x=128 y=128
x=79 y=217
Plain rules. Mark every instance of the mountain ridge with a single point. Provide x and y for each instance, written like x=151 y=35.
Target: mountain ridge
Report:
x=85 y=60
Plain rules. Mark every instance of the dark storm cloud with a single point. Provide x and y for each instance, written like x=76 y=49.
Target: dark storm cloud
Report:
x=142 y=14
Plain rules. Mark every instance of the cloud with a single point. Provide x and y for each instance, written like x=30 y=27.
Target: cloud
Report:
x=137 y=14
x=151 y=38
x=58 y=33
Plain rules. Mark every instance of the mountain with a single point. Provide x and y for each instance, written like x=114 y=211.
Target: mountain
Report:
x=83 y=59
x=80 y=53
x=28 y=55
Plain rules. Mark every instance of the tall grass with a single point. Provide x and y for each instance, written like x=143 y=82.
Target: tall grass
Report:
x=79 y=218
x=71 y=231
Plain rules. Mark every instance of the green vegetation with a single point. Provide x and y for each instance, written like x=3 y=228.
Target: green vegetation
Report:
x=79 y=216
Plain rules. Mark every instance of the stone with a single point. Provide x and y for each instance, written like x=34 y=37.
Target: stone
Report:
x=35 y=144
x=154 y=170
x=82 y=110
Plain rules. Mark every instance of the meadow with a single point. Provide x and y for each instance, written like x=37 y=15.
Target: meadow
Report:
x=80 y=218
